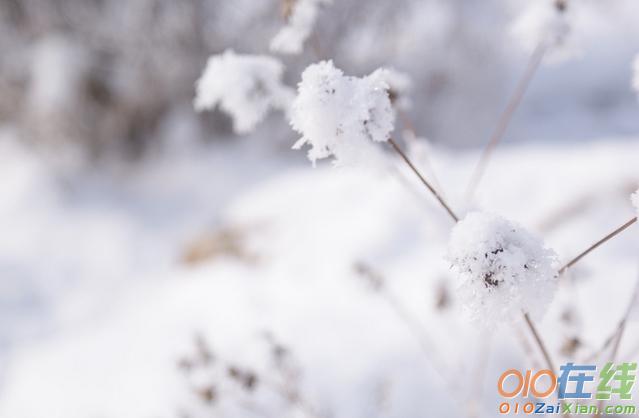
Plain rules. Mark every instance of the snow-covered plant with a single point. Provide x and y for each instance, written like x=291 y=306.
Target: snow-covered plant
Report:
x=244 y=86
x=503 y=269
x=341 y=116
x=399 y=85
x=300 y=20
x=546 y=24
x=635 y=76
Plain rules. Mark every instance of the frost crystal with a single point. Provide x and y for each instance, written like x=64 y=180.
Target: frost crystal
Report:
x=547 y=24
x=244 y=86
x=290 y=39
x=635 y=78
x=503 y=269
x=340 y=115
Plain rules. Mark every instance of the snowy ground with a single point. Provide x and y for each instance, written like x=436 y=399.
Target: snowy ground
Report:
x=105 y=300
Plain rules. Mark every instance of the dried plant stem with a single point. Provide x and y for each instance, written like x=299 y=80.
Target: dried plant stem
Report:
x=542 y=347
x=613 y=356
x=410 y=136
x=615 y=349
x=540 y=342
x=301 y=403
x=416 y=328
x=504 y=119
x=425 y=182
x=408 y=125
x=316 y=46
x=615 y=336
x=596 y=244
x=525 y=345
x=294 y=399
x=413 y=324
x=603 y=347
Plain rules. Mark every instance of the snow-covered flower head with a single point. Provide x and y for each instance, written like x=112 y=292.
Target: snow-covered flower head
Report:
x=300 y=22
x=503 y=269
x=547 y=23
x=635 y=74
x=340 y=115
x=244 y=86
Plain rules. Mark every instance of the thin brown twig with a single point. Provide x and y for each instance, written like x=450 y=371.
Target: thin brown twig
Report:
x=619 y=328
x=316 y=46
x=529 y=322
x=425 y=182
x=413 y=324
x=416 y=328
x=505 y=118
x=615 y=349
x=540 y=342
x=613 y=356
x=608 y=341
x=525 y=345
x=542 y=346
x=596 y=244
x=410 y=136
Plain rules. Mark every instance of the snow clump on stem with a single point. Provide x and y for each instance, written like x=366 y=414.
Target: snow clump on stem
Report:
x=503 y=269
x=300 y=22
x=244 y=86
x=341 y=116
x=547 y=24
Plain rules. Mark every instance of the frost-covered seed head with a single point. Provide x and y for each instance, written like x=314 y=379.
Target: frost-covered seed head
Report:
x=503 y=269
x=244 y=86
x=339 y=115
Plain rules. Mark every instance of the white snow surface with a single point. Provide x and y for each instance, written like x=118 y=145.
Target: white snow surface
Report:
x=97 y=310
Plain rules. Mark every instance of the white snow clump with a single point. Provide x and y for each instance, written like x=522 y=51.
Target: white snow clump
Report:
x=244 y=86
x=504 y=270
x=341 y=116
x=300 y=22
x=547 y=24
